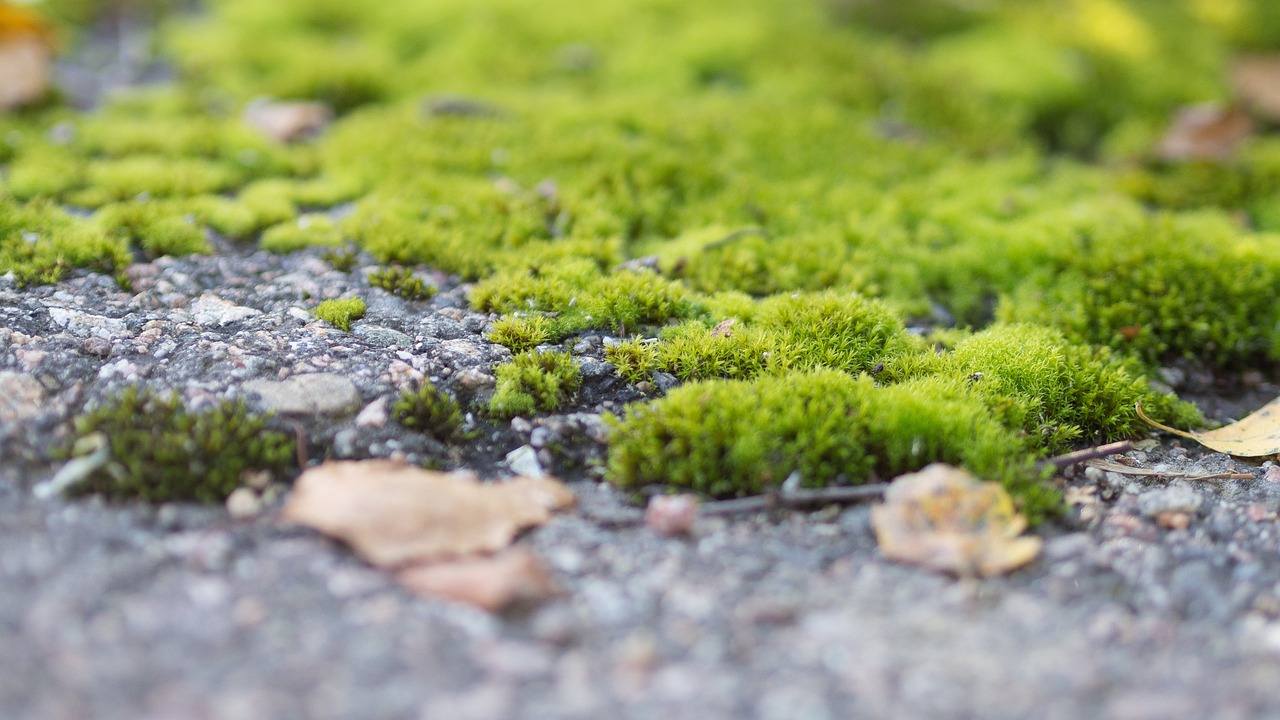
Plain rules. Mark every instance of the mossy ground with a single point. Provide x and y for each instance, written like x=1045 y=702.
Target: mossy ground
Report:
x=161 y=452
x=823 y=173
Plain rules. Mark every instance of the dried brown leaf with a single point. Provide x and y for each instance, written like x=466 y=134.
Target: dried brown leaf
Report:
x=1254 y=436
x=1257 y=82
x=944 y=518
x=393 y=514
x=1205 y=132
x=512 y=579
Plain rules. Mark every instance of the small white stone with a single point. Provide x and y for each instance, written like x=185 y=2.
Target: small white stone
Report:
x=243 y=503
x=524 y=461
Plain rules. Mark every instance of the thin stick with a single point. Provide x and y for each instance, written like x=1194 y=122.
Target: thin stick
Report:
x=1093 y=453
x=794 y=499
x=758 y=503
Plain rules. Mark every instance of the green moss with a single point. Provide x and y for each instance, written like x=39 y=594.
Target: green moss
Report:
x=340 y=313
x=727 y=439
x=837 y=330
x=160 y=452
x=402 y=282
x=635 y=359
x=430 y=411
x=1162 y=287
x=153 y=227
x=1064 y=393
x=534 y=382
x=39 y=243
x=519 y=333
x=307 y=231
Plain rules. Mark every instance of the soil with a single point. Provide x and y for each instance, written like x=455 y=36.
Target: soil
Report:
x=1154 y=597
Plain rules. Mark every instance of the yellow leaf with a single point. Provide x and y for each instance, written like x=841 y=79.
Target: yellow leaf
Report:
x=944 y=518
x=1254 y=436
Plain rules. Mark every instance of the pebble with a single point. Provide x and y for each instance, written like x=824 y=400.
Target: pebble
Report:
x=21 y=396
x=524 y=461
x=311 y=394
x=1175 y=499
x=374 y=414
x=96 y=345
x=83 y=324
x=213 y=310
x=243 y=503
x=384 y=336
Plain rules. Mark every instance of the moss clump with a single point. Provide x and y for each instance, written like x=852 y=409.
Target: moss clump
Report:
x=307 y=231
x=576 y=296
x=836 y=330
x=1162 y=287
x=402 y=282
x=519 y=333
x=1061 y=393
x=154 y=227
x=635 y=359
x=736 y=438
x=341 y=312
x=159 y=452
x=39 y=243
x=534 y=382
x=429 y=410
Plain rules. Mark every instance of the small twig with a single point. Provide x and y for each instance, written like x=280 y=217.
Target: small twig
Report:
x=300 y=446
x=1079 y=456
x=795 y=499
x=756 y=503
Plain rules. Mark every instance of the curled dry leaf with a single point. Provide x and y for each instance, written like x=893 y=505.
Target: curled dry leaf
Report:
x=510 y=580
x=393 y=514
x=1205 y=132
x=287 y=122
x=26 y=56
x=1254 y=436
x=944 y=518
x=1257 y=82
x=724 y=328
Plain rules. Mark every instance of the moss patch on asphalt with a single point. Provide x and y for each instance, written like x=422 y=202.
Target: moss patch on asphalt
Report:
x=744 y=191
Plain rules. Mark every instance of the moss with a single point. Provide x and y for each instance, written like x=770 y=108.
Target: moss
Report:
x=534 y=382
x=1162 y=287
x=159 y=452
x=736 y=438
x=340 y=313
x=519 y=333
x=1065 y=393
x=39 y=243
x=153 y=227
x=307 y=231
x=635 y=359
x=429 y=410
x=402 y=282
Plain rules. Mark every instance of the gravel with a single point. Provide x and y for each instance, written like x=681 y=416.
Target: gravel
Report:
x=1154 y=598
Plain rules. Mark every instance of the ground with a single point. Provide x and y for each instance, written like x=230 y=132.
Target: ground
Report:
x=561 y=231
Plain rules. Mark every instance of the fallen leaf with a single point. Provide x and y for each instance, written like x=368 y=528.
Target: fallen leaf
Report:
x=1257 y=82
x=26 y=56
x=1254 y=436
x=287 y=122
x=1205 y=132
x=511 y=580
x=944 y=518
x=393 y=514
